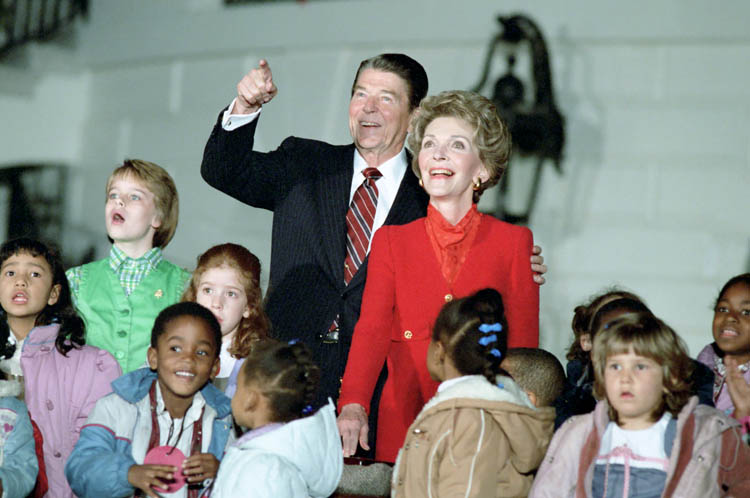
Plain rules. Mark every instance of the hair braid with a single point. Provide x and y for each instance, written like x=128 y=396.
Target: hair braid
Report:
x=474 y=332
x=287 y=375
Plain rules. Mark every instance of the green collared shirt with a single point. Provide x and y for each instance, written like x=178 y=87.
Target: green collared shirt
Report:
x=129 y=271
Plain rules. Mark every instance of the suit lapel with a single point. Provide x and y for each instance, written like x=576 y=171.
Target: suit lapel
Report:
x=333 y=191
x=410 y=202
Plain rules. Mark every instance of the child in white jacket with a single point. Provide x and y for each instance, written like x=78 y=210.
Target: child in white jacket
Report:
x=287 y=454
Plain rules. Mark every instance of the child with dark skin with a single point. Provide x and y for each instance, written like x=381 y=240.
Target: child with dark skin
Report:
x=186 y=341
x=183 y=357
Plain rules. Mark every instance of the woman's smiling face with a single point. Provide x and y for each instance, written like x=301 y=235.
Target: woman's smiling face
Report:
x=449 y=161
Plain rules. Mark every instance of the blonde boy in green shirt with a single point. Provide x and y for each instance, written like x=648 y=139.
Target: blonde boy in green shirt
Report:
x=120 y=296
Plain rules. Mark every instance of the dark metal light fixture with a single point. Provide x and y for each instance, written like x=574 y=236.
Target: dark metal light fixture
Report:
x=537 y=127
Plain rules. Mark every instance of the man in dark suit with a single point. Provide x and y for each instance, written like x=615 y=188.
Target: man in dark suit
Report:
x=309 y=186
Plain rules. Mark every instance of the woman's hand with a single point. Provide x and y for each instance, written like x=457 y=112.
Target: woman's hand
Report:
x=352 y=424
x=739 y=389
x=537 y=265
x=199 y=467
x=147 y=477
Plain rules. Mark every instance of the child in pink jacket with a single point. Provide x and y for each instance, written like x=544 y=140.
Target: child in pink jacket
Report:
x=41 y=341
x=647 y=437
x=729 y=355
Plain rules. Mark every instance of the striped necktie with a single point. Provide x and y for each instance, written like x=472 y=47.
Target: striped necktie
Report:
x=359 y=221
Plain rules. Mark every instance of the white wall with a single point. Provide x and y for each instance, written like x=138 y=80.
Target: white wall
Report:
x=654 y=192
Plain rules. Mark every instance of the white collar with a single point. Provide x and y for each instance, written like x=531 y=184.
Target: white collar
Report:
x=192 y=414
x=392 y=168
x=450 y=382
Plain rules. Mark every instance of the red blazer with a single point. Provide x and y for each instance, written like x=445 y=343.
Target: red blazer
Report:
x=404 y=293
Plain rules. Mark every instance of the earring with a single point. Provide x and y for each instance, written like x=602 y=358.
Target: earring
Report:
x=421 y=183
x=477 y=185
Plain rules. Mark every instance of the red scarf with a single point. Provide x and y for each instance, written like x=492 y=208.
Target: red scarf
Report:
x=452 y=243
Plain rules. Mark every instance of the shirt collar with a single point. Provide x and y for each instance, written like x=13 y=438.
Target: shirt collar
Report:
x=392 y=168
x=192 y=414
x=117 y=257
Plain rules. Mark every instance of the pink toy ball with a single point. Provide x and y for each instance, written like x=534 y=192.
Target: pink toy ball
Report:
x=167 y=455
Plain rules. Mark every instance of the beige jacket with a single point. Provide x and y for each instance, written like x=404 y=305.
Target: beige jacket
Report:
x=473 y=439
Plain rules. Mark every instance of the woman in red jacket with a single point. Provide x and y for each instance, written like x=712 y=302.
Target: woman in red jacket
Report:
x=461 y=147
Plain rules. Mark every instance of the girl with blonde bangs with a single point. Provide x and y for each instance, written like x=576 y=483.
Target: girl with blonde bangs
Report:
x=663 y=346
x=647 y=436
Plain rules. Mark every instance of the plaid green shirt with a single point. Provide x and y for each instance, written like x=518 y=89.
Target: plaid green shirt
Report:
x=130 y=271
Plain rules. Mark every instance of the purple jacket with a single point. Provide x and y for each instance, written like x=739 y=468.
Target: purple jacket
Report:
x=722 y=400
x=60 y=393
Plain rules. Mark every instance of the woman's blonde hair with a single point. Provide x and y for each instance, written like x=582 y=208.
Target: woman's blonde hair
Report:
x=649 y=337
x=491 y=134
x=254 y=327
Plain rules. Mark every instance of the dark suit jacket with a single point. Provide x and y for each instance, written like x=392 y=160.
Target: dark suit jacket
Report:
x=306 y=183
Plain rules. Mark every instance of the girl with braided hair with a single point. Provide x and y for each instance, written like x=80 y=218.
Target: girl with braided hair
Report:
x=480 y=435
x=289 y=452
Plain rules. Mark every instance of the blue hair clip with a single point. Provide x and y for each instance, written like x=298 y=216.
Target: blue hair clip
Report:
x=500 y=385
x=307 y=410
x=293 y=341
x=495 y=352
x=488 y=339
x=490 y=327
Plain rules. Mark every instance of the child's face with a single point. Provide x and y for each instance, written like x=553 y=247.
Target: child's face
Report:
x=585 y=342
x=185 y=358
x=731 y=325
x=634 y=385
x=26 y=286
x=221 y=290
x=130 y=212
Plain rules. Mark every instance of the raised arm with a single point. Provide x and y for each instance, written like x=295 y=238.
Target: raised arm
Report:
x=229 y=162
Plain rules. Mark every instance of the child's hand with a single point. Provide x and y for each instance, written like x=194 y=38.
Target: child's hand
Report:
x=198 y=468
x=146 y=477
x=739 y=389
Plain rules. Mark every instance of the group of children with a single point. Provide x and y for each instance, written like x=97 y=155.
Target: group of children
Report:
x=128 y=376
x=114 y=372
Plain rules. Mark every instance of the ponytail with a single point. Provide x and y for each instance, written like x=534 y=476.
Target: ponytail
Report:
x=474 y=332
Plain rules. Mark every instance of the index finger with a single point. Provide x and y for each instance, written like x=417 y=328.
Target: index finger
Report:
x=266 y=69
